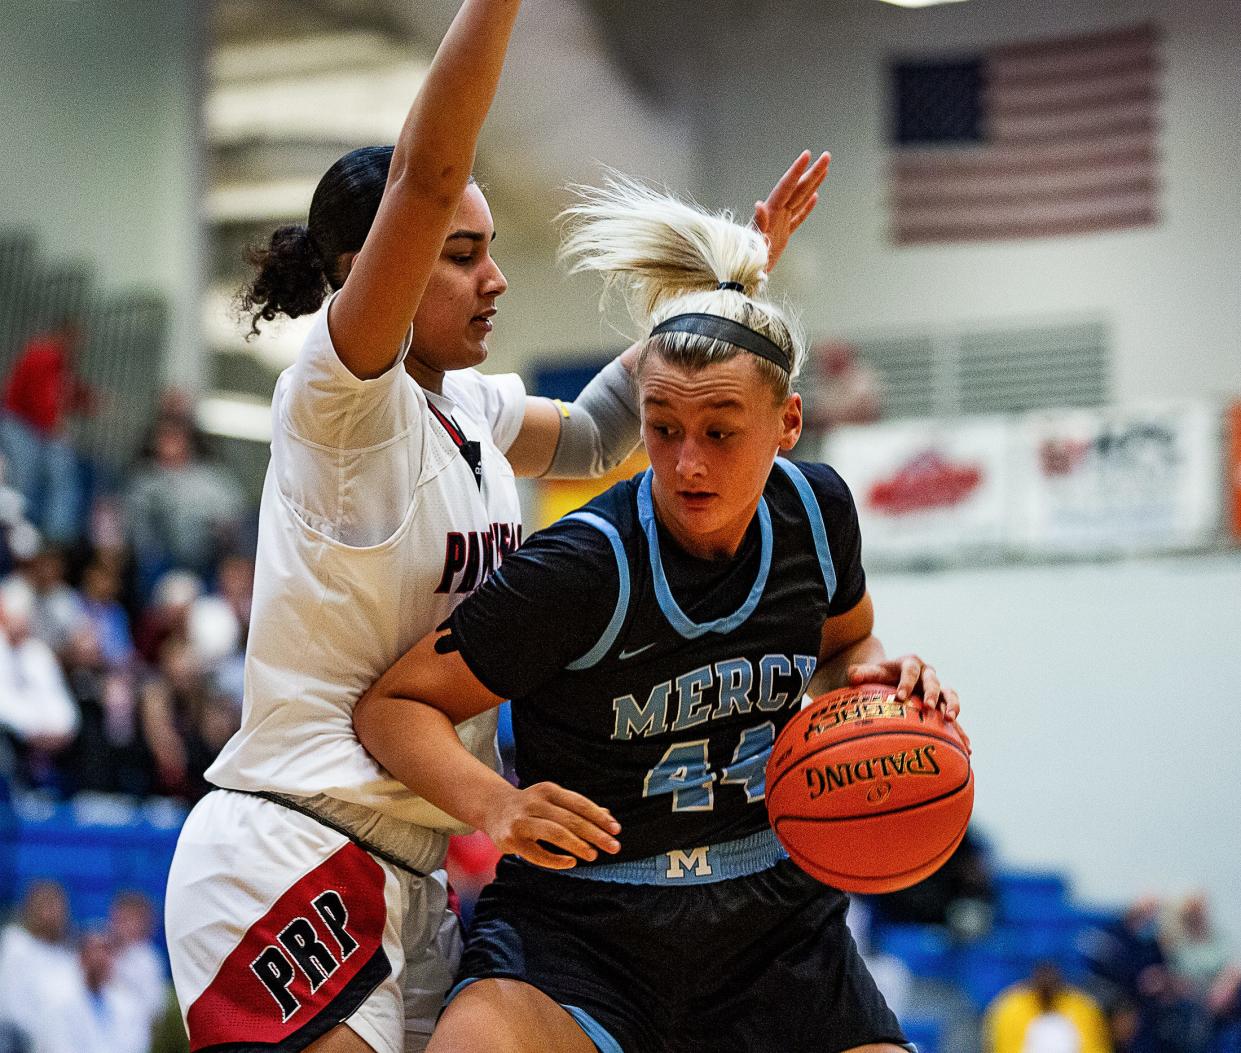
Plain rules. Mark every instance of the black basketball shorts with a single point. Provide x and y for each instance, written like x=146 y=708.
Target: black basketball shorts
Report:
x=755 y=964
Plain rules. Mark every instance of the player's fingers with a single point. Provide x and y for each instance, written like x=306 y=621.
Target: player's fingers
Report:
x=583 y=806
x=931 y=689
x=799 y=217
x=532 y=852
x=952 y=705
x=911 y=669
x=584 y=829
x=812 y=179
x=788 y=182
x=762 y=217
x=549 y=832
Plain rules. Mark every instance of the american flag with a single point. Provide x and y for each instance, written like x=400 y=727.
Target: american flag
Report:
x=1029 y=140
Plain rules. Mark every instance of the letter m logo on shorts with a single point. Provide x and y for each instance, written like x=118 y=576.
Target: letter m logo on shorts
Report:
x=304 y=966
x=681 y=862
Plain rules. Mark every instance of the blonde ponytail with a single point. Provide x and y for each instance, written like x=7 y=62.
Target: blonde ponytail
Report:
x=668 y=258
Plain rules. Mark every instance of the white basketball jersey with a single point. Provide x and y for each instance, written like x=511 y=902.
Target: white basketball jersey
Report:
x=372 y=528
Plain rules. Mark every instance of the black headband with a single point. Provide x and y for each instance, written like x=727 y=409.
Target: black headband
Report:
x=714 y=327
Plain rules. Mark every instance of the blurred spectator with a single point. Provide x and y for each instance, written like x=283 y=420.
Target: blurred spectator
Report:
x=167 y=615
x=33 y=956
x=1045 y=1015
x=234 y=585
x=213 y=629
x=842 y=389
x=1130 y=976
x=57 y=606
x=36 y=709
x=218 y=624
x=91 y=1012
x=139 y=967
x=40 y=393
x=101 y=606
x=1198 y=953
x=1124 y=957
x=959 y=896
x=185 y=720
x=19 y=539
x=184 y=510
x=1224 y=1005
x=108 y=754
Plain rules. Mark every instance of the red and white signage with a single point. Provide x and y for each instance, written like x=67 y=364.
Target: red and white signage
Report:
x=926 y=488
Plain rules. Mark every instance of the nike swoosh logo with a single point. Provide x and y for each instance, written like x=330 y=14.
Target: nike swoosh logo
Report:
x=629 y=654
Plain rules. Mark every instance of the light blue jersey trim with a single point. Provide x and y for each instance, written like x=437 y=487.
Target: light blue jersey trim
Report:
x=677 y=618
x=704 y=865
x=815 y=514
x=622 y=599
x=595 y=1031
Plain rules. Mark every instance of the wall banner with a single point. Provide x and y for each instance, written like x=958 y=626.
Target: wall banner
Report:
x=1118 y=479
x=926 y=489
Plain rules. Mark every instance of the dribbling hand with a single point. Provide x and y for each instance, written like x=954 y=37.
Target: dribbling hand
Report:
x=912 y=676
x=525 y=822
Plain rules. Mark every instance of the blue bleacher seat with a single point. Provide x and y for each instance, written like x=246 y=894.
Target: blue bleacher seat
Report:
x=94 y=847
x=924 y=1032
x=925 y=949
x=1031 y=896
x=987 y=966
x=65 y=861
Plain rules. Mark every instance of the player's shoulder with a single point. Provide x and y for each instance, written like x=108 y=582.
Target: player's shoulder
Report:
x=481 y=391
x=594 y=531
x=617 y=506
x=467 y=385
x=825 y=482
x=497 y=400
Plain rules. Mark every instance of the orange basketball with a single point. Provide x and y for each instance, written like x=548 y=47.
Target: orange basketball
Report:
x=867 y=793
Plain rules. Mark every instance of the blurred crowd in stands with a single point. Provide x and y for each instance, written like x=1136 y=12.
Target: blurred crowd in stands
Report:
x=123 y=610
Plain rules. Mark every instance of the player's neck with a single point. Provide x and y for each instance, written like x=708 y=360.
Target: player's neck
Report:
x=716 y=543
x=426 y=377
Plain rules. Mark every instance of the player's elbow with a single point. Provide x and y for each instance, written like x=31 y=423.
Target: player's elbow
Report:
x=419 y=188
x=369 y=720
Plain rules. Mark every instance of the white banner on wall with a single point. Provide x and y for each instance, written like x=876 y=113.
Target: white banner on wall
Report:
x=926 y=489
x=1117 y=479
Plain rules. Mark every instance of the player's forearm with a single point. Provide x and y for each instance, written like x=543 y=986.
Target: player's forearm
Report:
x=586 y=438
x=436 y=143
x=419 y=747
x=833 y=672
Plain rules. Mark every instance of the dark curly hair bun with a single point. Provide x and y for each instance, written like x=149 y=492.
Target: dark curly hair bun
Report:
x=291 y=278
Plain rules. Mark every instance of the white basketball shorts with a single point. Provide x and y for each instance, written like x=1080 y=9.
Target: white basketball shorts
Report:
x=280 y=928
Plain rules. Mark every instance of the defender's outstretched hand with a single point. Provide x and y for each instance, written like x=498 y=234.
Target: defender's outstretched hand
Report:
x=912 y=676
x=527 y=821
x=791 y=200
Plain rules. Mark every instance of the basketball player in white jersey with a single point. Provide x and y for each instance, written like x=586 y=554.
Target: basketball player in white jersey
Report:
x=306 y=907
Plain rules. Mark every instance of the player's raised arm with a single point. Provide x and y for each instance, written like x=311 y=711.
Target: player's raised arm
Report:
x=596 y=432
x=406 y=722
x=430 y=168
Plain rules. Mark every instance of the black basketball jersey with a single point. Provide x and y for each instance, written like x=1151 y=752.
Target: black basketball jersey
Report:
x=654 y=682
